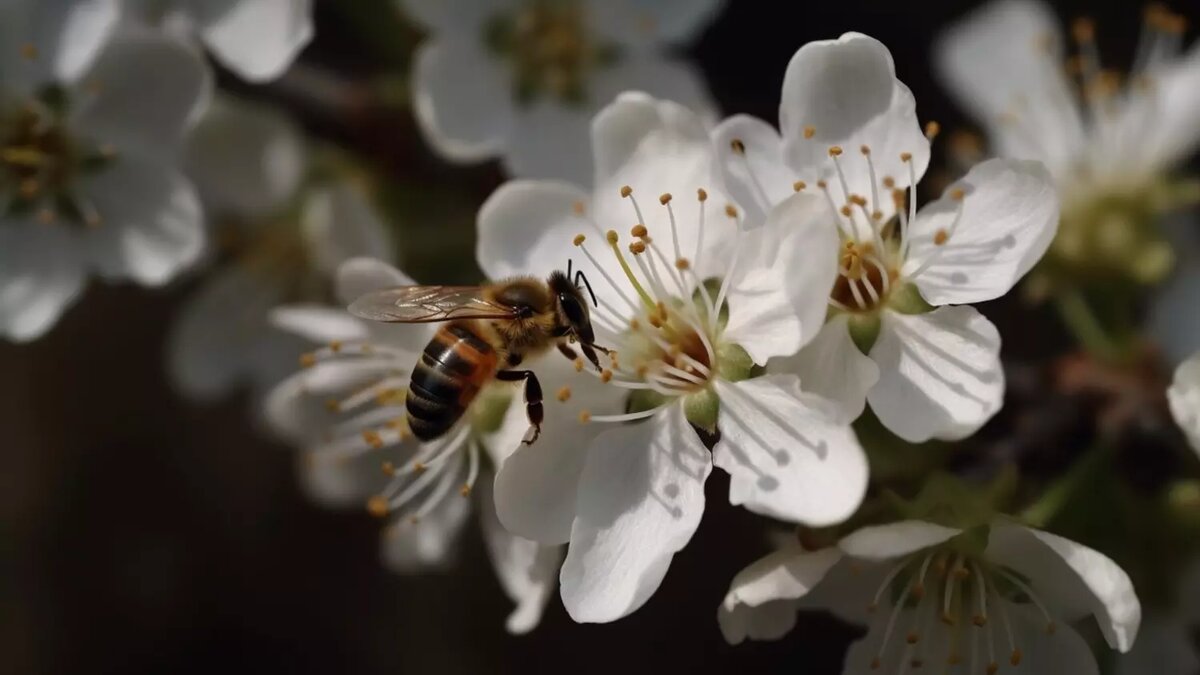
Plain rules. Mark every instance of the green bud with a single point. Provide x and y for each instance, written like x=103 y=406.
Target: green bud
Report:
x=864 y=330
x=701 y=409
x=906 y=298
x=733 y=363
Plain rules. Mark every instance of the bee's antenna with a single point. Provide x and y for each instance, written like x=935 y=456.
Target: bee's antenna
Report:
x=569 y=263
x=587 y=284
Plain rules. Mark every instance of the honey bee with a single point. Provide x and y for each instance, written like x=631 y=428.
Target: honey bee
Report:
x=490 y=330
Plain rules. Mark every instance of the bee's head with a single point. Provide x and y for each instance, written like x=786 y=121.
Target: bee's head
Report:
x=571 y=306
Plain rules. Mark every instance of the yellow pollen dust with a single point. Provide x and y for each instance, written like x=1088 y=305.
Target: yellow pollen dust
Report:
x=664 y=198
x=737 y=146
x=564 y=394
x=377 y=506
x=701 y=194
x=809 y=132
x=799 y=186
x=626 y=190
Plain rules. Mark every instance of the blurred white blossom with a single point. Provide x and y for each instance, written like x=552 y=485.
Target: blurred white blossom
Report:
x=345 y=411
x=92 y=117
x=689 y=301
x=957 y=601
x=899 y=332
x=521 y=79
x=1166 y=642
x=285 y=242
x=256 y=39
x=1184 y=398
x=1112 y=142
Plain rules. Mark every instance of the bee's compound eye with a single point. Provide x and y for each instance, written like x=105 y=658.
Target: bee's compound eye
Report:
x=571 y=307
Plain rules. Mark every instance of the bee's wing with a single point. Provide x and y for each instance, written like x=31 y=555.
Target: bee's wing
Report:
x=427 y=304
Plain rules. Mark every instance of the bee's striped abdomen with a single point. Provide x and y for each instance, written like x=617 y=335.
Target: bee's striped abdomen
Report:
x=455 y=365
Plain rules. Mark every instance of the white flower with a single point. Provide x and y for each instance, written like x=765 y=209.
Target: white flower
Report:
x=1184 y=398
x=521 y=79
x=91 y=121
x=345 y=410
x=897 y=334
x=256 y=39
x=1109 y=141
x=248 y=162
x=683 y=351
x=958 y=601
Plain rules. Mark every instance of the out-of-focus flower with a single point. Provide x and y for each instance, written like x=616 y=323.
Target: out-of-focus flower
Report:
x=689 y=302
x=91 y=122
x=1166 y=644
x=897 y=334
x=1111 y=142
x=286 y=241
x=256 y=39
x=1184 y=398
x=956 y=600
x=521 y=79
x=345 y=411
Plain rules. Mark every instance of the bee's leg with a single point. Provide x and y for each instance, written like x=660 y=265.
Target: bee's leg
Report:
x=590 y=352
x=567 y=351
x=533 y=400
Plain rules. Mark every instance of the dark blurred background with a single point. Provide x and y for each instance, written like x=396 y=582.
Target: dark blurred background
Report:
x=140 y=533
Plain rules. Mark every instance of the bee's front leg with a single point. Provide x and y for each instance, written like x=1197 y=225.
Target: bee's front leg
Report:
x=533 y=400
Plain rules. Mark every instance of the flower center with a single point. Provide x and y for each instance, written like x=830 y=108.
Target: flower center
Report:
x=949 y=605
x=40 y=161
x=549 y=49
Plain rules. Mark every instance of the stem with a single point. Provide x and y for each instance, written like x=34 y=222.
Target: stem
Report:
x=1086 y=327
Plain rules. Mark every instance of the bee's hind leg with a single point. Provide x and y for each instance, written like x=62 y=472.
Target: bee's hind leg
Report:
x=533 y=400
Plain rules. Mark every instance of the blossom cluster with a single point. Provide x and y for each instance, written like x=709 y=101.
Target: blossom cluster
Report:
x=788 y=301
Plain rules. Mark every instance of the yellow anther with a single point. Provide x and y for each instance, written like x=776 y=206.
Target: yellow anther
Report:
x=835 y=151
x=389 y=469
x=377 y=506
x=822 y=184
x=889 y=182
x=308 y=360
x=47 y=216
x=639 y=231
x=611 y=236
x=1083 y=29
x=465 y=490
x=1015 y=658
x=799 y=185
x=637 y=247
x=606 y=375
x=626 y=190
x=333 y=405
x=865 y=150
x=940 y=236
x=731 y=211
x=877 y=215
x=664 y=198
x=564 y=394
x=912 y=638
x=932 y=129
x=584 y=417
x=858 y=200
x=809 y=132
x=578 y=365
x=683 y=264
x=701 y=194
x=579 y=239
x=957 y=194
x=372 y=439
x=737 y=146
x=654 y=320
x=335 y=346
x=875 y=663
x=993 y=668
x=846 y=211
x=906 y=157
x=979 y=620
x=29 y=51
x=578 y=208
x=418 y=467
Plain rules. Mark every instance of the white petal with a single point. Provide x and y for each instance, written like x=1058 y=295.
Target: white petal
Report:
x=1003 y=225
x=1174 y=130
x=341 y=482
x=895 y=540
x=846 y=90
x=527 y=570
x=462 y=99
x=458 y=17
x=149 y=91
x=295 y=408
x=833 y=367
x=779 y=296
x=318 y=324
x=41 y=274
x=527 y=227
x=641 y=496
x=245 y=158
x=1173 y=322
x=339 y=223
x=651 y=23
x=757 y=604
x=410 y=548
x=939 y=373
x=757 y=178
x=257 y=39
x=1164 y=647
x=66 y=34
x=357 y=276
x=784 y=455
x=537 y=485
x=1072 y=579
x=1184 y=397
x=550 y=140
x=151 y=226
x=214 y=340
x=1005 y=60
